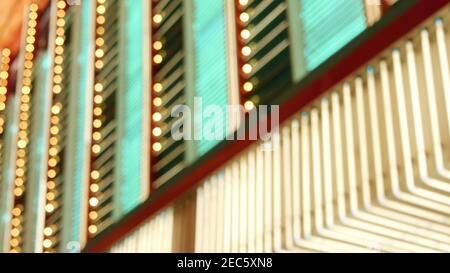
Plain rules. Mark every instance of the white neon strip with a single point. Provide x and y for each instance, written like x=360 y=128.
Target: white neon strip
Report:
x=296 y=187
x=445 y=71
x=370 y=228
x=161 y=232
x=287 y=189
x=212 y=215
x=153 y=236
x=417 y=114
x=147 y=237
x=383 y=212
x=235 y=211
x=350 y=151
x=418 y=126
x=416 y=236
x=243 y=183
x=432 y=106
x=259 y=200
x=157 y=235
x=357 y=230
x=169 y=230
x=215 y=215
x=326 y=158
x=392 y=159
x=276 y=188
x=205 y=217
x=411 y=219
x=228 y=210
x=212 y=211
x=388 y=232
x=306 y=177
x=338 y=156
x=199 y=219
x=156 y=230
x=220 y=212
x=251 y=199
x=392 y=151
x=268 y=201
x=142 y=238
x=362 y=138
x=375 y=129
x=403 y=120
x=317 y=177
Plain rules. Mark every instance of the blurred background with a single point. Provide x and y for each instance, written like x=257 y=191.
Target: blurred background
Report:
x=359 y=163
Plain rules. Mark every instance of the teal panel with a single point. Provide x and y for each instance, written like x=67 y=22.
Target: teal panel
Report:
x=82 y=61
x=38 y=150
x=328 y=26
x=211 y=73
x=131 y=143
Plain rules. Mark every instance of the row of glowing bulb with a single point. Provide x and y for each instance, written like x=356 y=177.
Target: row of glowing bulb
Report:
x=5 y=61
x=23 y=140
x=246 y=51
x=97 y=114
x=4 y=74
x=54 y=122
x=157 y=88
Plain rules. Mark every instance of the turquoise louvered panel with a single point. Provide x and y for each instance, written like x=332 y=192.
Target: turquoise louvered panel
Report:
x=131 y=144
x=211 y=65
x=328 y=26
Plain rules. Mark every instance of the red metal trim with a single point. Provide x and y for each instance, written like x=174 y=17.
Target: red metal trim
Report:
x=368 y=49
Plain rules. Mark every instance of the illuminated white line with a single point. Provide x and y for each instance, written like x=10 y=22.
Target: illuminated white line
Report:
x=220 y=213
x=276 y=184
x=445 y=71
x=350 y=149
x=199 y=219
x=317 y=177
x=432 y=107
x=418 y=126
x=338 y=156
x=388 y=232
x=268 y=201
x=392 y=159
x=235 y=211
x=392 y=151
x=259 y=199
x=403 y=120
x=326 y=158
x=287 y=188
x=228 y=210
x=375 y=130
x=251 y=199
x=362 y=138
x=296 y=187
x=243 y=182
x=213 y=211
x=306 y=177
